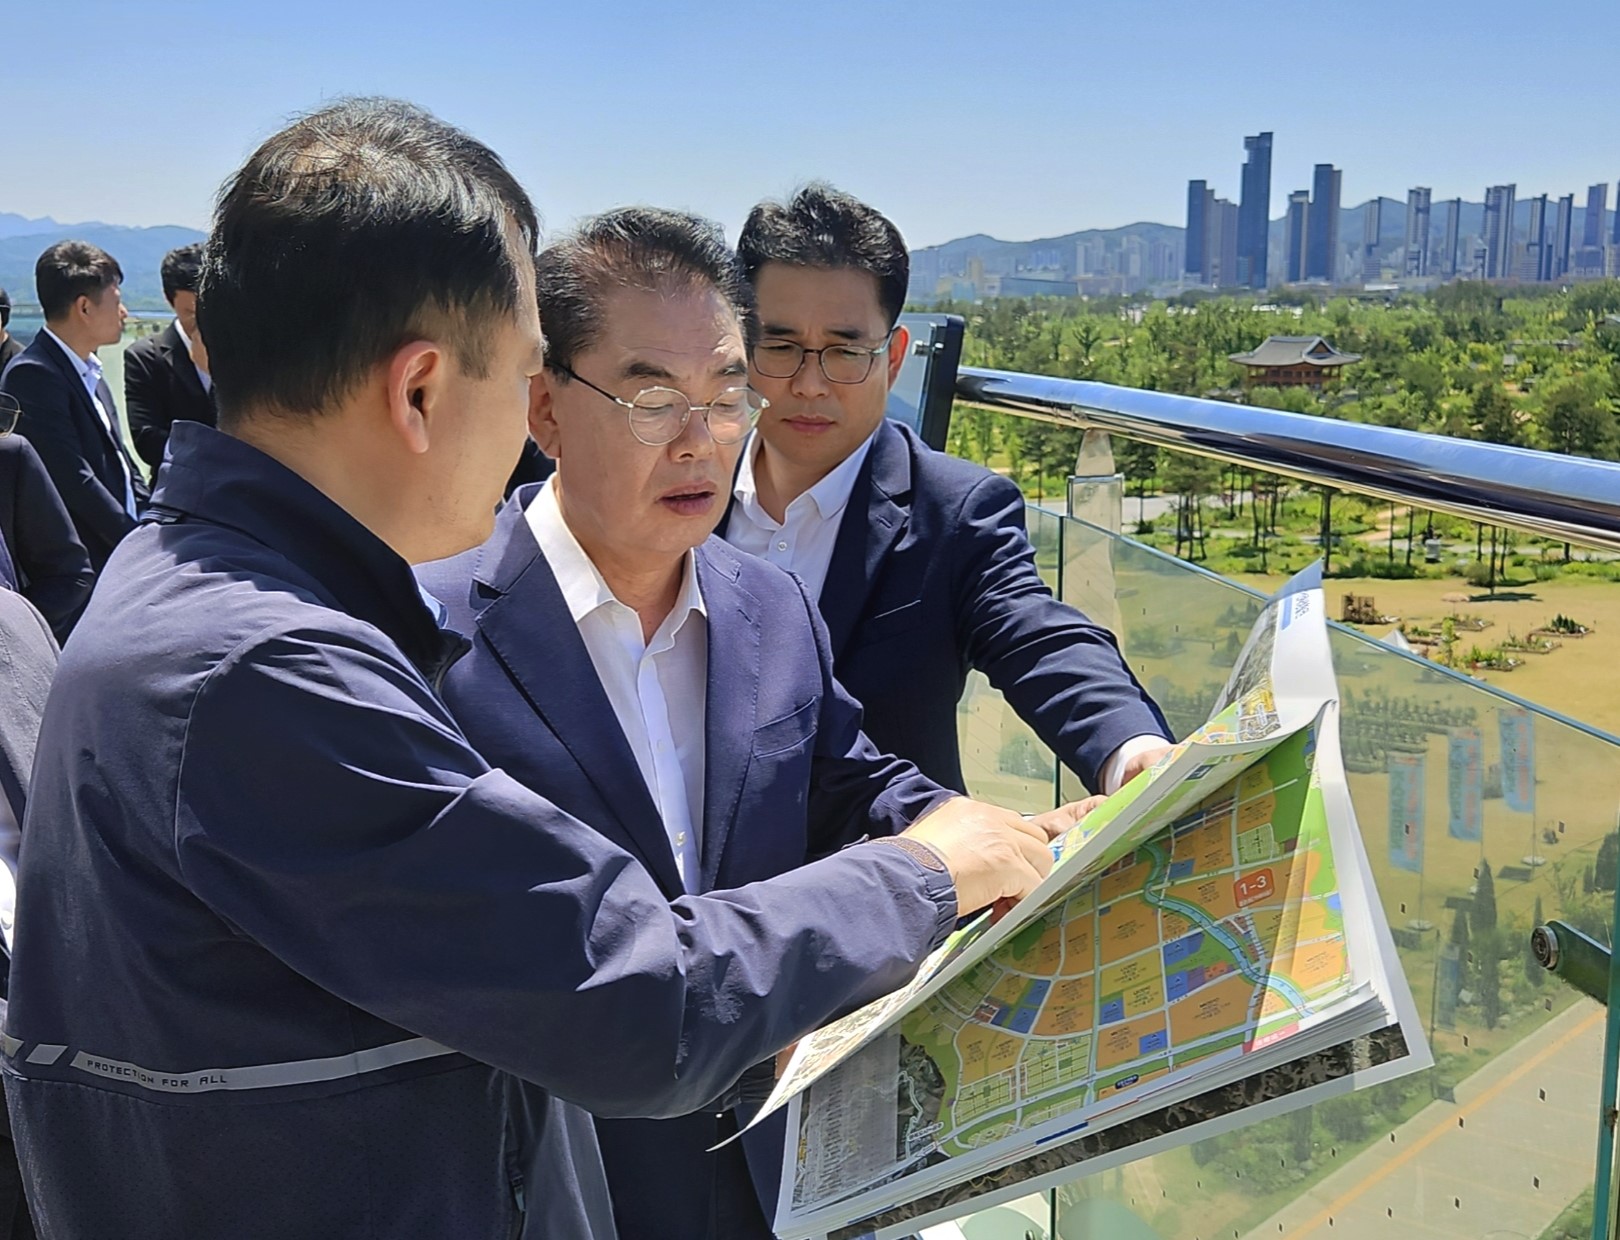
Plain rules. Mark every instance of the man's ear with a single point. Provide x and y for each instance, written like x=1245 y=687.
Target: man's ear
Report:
x=898 y=344
x=543 y=426
x=416 y=397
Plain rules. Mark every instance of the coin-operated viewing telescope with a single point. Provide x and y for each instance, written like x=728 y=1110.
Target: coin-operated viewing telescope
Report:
x=1567 y=953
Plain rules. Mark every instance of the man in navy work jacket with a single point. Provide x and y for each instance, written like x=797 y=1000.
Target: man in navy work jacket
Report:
x=919 y=560
x=68 y=411
x=283 y=930
x=646 y=677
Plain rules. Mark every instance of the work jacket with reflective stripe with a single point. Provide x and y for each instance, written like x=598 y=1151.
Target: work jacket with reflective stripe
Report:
x=281 y=929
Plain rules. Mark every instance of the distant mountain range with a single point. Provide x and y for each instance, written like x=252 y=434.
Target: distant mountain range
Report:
x=139 y=252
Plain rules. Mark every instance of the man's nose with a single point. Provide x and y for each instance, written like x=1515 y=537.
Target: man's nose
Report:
x=810 y=382
x=695 y=439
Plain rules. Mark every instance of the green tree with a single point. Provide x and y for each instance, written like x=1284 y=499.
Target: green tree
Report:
x=1460 y=940
x=1488 y=956
x=1492 y=416
x=1576 y=416
x=1139 y=462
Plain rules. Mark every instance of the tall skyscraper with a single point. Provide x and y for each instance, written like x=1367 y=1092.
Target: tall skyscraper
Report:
x=1615 y=239
x=1415 y=257
x=1298 y=230
x=1372 y=224
x=1563 y=229
x=1536 y=250
x=1597 y=203
x=1198 y=197
x=1322 y=239
x=1254 y=211
x=1451 y=247
x=1221 y=242
x=1499 y=231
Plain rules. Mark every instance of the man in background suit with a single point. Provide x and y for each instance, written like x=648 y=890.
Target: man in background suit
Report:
x=40 y=555
x=919 y=560
x=647 y=678
x=9 y=346
x=166 y=376
x=68 y=412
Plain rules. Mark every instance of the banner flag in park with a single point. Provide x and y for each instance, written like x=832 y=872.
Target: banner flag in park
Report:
x=1518 y=758
x=1465 y=784
x=1406 y=775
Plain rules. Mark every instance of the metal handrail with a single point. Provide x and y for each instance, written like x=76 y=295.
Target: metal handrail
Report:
x=1567 y=498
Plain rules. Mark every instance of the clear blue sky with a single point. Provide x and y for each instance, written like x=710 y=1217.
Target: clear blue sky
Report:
x=1011 y=117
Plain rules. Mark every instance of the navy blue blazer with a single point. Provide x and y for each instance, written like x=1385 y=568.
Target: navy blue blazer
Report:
x=933 y=575
x=161 y=387
x=53 y=569
x=60 y=420
x=288 y=932
x=790 y=777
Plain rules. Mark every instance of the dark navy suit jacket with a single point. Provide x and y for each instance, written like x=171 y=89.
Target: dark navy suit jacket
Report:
x=790 y=777
x=287 y=932
x=53 y=570
x=933 y=575
x=161 y=387
x=60 y=420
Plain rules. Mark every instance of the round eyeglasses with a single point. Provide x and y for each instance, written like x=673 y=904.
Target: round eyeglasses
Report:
x=10 y=411
x=658 y=415
x=840 y=363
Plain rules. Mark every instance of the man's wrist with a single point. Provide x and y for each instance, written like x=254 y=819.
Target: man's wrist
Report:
x=923 y=854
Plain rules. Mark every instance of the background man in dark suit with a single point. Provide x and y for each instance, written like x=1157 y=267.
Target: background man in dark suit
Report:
x=9 y=346
x=647 y=678
x=68 y=412
x=166 y=376
x=919 y=560
x=40 y=555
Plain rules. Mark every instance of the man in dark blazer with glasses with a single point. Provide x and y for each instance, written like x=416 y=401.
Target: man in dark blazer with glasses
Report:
x=919 y=560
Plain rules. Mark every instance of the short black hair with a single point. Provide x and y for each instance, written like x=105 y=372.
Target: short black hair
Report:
x=631 y=247
x=181 y=271
x=353 y=231
x=5 y=308
x=820 y=226
x=70 y=270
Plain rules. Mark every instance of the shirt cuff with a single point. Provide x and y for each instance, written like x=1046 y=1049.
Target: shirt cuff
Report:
x=938 y=886
x=1113 y=770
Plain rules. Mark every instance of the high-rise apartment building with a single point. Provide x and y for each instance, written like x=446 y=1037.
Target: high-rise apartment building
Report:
x=1563 y=230
x=1298 y=232
x=1372 y=224
x=1322 y=239
x=1499 y=231
x=1415 y=258
x=1254 y=211
x=1533 y=264
x=1199 y=197
x=1597 y=205
x=1615 y=239
x=1221 y=243
x=1451 y=247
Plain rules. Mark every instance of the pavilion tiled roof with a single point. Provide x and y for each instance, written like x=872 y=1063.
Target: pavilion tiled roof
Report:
x=1295 y=351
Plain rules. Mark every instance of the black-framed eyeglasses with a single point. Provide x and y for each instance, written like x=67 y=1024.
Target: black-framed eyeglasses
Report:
x=840 y=363
x=10 y=411
x=658 y=415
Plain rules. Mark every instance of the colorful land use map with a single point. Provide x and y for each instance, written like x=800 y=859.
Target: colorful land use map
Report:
x=1191 y=934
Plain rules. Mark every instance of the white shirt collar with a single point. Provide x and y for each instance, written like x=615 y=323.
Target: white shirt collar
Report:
x=87 y=369
x=181 y=332
x=829 y=496
x=583 y=587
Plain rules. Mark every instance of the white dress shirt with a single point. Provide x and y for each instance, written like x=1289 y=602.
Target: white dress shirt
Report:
x=90 y=376
x=10 y=841
x=657 y=688
x=206 y=378
x=802 y=542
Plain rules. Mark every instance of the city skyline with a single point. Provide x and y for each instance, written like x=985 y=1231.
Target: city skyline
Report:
x=1059 y=118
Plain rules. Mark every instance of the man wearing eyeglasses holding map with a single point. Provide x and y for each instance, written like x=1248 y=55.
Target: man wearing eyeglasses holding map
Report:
x=651 y=680
x=919 y=560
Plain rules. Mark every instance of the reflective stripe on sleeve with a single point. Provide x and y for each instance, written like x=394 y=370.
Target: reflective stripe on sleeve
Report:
x=253 y=1076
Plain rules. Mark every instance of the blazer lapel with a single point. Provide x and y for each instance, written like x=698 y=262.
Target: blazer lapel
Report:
x=729 y=722
x=876 y=515
x=180 y=359
x=529 y=629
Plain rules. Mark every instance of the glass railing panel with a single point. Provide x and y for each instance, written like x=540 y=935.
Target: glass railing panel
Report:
x=1500 y=1138
x=1003 y=761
